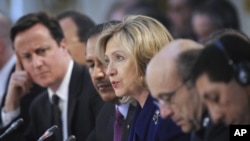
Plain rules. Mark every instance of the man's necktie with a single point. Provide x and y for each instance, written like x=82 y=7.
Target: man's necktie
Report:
x=57 y=117
x=118 y=126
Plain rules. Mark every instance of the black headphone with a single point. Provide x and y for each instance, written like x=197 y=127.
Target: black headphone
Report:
x=241 y=69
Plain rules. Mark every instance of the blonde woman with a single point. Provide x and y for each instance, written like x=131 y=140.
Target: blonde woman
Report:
x=127 y=48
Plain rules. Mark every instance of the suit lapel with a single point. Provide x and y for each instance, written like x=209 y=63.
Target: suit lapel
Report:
x=145 y=118
x=126 y=127
x=44 y=107
x=75 y=87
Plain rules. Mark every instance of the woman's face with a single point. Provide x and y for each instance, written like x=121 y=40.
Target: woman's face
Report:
x=121 y=68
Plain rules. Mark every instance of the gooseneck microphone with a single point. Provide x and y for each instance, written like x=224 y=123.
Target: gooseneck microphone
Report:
x=12 y=127
x=71 y=138
x=49 y=132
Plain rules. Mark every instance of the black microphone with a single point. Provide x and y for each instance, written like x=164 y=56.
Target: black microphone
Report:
x=71 y=138
x=49 y=132
x=12 y=127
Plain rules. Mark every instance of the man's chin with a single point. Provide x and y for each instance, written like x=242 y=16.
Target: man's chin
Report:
x=108 y=97
x=43 y=83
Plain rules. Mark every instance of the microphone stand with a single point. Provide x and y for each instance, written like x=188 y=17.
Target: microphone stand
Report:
x=12 y=127
x=49 y=132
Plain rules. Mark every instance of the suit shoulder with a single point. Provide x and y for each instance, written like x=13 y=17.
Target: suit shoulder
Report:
x=41 y=98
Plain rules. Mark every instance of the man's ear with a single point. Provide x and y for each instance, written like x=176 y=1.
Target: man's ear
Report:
x=63 y=44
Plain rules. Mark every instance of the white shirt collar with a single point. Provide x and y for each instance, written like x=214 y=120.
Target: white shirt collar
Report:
x=63 y=89
x=123 y=108
x=63 y=93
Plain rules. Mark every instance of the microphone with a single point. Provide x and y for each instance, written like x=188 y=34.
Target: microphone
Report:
x=71 y=138
x=12 y=127
x=49 y=132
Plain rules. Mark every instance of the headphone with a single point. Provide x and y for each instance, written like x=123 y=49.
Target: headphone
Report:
x=241 y=70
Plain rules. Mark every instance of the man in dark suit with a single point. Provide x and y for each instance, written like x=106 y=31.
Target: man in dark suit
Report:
x=71 y=102
x=175 y=94
x=106 y=118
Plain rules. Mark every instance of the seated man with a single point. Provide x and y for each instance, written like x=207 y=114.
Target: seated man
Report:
x=176 y=97
x=106 y=118
x=70 y=101
x=221 y=76
x=75 y=26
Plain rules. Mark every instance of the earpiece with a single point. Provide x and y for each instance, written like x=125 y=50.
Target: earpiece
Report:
x=241 y=69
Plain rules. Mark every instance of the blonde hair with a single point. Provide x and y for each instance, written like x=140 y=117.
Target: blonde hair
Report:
x=141 y=37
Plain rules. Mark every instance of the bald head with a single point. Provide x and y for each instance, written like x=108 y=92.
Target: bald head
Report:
x=175 y=48
x=162 y=71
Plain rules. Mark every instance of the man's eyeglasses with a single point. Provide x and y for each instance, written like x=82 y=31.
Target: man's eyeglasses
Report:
x=167 y=98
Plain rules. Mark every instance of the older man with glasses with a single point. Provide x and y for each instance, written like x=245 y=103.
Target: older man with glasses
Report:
x=169 y=83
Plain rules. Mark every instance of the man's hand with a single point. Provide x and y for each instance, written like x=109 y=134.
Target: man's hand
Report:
x=19 y=85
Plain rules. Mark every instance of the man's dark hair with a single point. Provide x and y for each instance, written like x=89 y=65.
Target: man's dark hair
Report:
x=185 y=62
x=213 y=61
x=100 y=27
x=29 y=20
x=83 y=23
